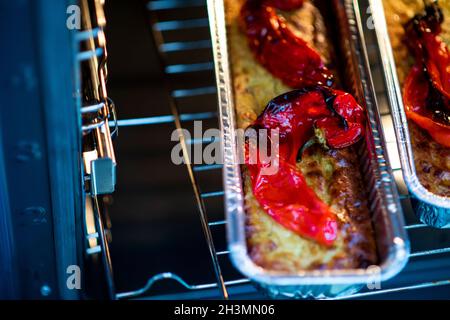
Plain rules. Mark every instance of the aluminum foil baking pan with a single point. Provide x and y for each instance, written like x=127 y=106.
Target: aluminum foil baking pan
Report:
x=392 y=241
x=431 y=209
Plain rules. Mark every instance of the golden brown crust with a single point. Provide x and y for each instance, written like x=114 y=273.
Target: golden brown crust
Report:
x=432 y=160
x=333 y=174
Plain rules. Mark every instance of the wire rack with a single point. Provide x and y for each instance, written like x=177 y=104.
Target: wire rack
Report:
x=429 y=264
x=99 y=127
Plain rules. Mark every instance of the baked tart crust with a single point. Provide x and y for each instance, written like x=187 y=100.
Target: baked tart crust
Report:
x=333 y=174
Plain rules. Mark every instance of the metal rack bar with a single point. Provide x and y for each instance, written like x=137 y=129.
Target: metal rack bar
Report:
x=181 y=24
x=164 y=119
x=104 y=248
x=194 y=67
x=416 y=226
x=245 y=280
x=86 y=55
x=185 y=46
x=93 y=108
x=213 y=194
x=93 y=126
x=183 y=93
x=217 y=223
x=399 y=289
x=201 y=208
x=92 y=40
x=180 y=93
x=93 y=250
x=207 y=167
x=202 y=140
x=86 y=34
x=412 y=255
x=174 y=277
x=174 y=4
x=429 y=252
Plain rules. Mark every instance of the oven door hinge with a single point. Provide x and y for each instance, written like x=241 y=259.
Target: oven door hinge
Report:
x=103 y=176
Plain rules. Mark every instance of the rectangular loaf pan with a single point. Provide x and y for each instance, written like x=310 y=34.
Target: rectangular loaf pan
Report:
x=391 y=239
x=432 y=209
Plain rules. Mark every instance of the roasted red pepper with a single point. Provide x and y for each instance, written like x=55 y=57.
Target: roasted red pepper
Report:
x=285 y=4
x=426 y=91
x=297 y=115
x=416 y=98
x=277 y=48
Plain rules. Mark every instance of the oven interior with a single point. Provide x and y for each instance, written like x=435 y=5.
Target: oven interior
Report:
x=181 y=39
x=161 y=233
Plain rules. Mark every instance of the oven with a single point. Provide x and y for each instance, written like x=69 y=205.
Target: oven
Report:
x=93 y=92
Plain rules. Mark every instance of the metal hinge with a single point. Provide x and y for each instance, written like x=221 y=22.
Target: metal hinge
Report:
x=103 y=176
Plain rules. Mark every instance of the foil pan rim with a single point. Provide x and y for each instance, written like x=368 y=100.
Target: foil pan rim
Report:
x=234 y=198
x=398 y=112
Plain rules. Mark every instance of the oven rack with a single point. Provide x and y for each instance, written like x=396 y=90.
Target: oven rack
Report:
x=99 y=121
x=429 y=264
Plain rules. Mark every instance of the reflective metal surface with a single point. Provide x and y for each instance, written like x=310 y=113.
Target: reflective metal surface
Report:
x=391 y=239
x=431 y=208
